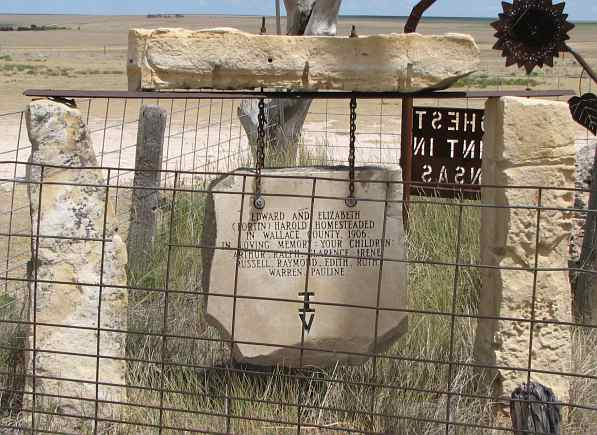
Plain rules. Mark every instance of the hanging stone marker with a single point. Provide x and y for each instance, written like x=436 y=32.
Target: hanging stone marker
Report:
x=273 y=264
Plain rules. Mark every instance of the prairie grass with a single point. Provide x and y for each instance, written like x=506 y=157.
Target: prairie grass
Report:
x=339 y=397
x=371 y=397
x=401 y=391
x=12 y=68
x=483 y=81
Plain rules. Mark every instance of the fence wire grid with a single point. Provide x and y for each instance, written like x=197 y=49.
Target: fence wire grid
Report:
x=180 y=376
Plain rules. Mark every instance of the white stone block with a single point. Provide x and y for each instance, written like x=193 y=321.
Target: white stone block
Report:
x=230 y=59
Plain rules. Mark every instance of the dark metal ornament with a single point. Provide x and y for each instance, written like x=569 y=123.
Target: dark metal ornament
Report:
x=584 y=111
x=532 y=32
x=534 y=408
x=306 y=313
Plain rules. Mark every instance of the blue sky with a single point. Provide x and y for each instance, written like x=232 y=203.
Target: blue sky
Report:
x=578 y=9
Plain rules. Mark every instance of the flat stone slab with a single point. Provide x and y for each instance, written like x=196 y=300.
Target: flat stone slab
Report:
x=278 y=288
x=229 y=59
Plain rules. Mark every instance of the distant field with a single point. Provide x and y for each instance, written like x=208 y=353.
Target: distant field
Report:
x=99 y=44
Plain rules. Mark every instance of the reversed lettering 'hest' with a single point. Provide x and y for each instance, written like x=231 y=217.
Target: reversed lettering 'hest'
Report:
x=306 y=272
x=447 y=149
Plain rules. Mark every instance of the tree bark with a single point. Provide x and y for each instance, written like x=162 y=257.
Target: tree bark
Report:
x=146 y=185
x=585 y=294
x=416 y=14
x=285 y=117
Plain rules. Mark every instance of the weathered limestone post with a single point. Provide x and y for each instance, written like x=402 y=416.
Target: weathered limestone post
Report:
x=70 y=250
x=146 y=196
x=527 y=143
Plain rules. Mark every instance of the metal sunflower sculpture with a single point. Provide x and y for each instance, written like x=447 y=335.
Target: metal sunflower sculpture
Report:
x=532 y=32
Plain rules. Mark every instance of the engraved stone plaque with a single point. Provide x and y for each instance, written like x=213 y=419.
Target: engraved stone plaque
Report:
x=307 y=271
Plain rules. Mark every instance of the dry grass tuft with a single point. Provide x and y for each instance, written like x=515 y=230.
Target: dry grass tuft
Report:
x=200 y=387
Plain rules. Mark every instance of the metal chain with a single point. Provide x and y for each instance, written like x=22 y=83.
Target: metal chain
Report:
x=351 y=201
x=259 y=201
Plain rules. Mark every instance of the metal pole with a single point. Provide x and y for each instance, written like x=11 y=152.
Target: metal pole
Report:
x=406 y=151
x=263 y=30
x=278 y=22
x=585 y=296
x=407 y=116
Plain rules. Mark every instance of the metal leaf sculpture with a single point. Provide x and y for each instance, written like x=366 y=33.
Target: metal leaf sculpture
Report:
x=532 y=32
x=584 y=111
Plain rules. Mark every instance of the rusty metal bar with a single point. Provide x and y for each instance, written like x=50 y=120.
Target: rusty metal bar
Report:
x=230 y=95
x=406 y=151
x=278 y=20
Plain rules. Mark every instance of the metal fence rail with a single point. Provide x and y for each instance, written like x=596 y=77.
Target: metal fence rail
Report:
x=180 y=375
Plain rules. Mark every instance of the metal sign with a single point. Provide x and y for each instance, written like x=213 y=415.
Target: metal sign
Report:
x=447 y=145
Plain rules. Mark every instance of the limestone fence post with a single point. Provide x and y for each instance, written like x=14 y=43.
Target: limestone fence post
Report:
x=78 y=278
x=527 y=143
x=146 y=184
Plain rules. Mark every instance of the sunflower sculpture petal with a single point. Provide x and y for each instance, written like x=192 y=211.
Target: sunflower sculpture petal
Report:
x=532 y=32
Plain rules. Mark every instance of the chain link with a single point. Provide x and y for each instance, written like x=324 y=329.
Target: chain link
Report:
x=260 y=155
x=351 y=201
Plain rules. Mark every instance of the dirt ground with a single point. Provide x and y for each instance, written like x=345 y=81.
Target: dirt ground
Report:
x=92 y=54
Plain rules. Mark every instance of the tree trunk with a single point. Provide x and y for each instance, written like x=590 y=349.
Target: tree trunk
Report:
x=585 y=293
x=285 y=117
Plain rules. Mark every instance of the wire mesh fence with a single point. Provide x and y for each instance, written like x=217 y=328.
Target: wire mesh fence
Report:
x=179 y=369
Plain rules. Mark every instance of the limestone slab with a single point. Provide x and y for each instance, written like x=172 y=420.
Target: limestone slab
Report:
x=230 y=59
x=67 y=215
x=527 y=143
x=274 y=265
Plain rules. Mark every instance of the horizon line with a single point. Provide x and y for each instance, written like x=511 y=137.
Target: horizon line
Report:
x=75 y=14
x=256 y=16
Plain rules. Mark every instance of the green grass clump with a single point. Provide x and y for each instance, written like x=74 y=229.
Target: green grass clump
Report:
x=12 y=365
x=40 y=70
x=6 y=57
x=92 y=72
x=172 y=267
x=484 y=81
x=23 y=68
x=113 y=72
